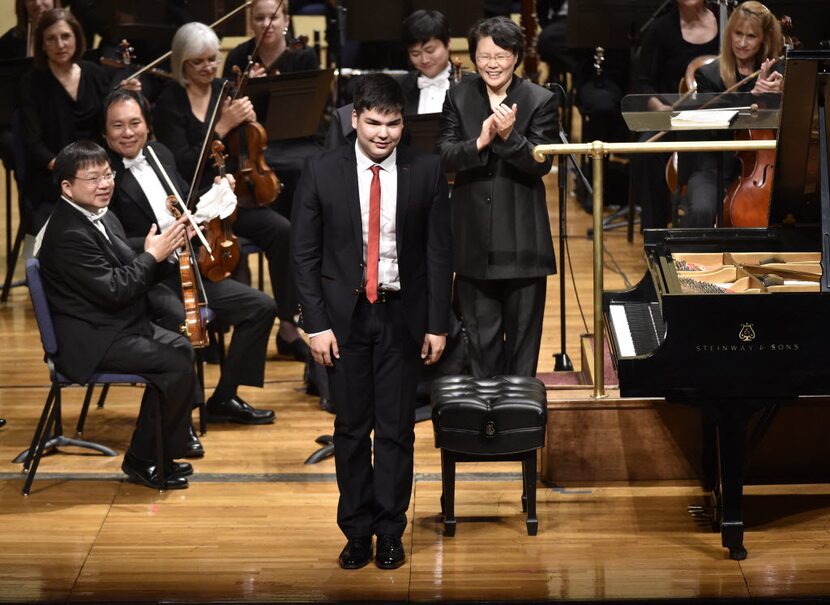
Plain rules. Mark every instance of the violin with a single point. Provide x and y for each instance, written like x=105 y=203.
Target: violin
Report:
x=256 y=183
x=127 y=60
x=193 y=327
x=219 y=234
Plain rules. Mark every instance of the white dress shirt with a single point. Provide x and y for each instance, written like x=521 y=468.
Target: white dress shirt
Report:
x=433 y=91
x=152 y=187
x=388 y=277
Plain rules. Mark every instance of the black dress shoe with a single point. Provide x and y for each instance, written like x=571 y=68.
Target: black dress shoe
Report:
x=193 y=448
x=296 y=349
x=2 y=422
x=178 y=469
x=144 y=472
x=357 y=553
x=390 y=553
x=236 y=410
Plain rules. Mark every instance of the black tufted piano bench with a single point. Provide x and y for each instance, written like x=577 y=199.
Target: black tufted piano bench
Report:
x=488 y=419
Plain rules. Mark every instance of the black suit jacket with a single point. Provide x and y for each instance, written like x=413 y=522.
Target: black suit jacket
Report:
x=129 y=201
x=96 y=290
x=500 y=218
x=327 y=242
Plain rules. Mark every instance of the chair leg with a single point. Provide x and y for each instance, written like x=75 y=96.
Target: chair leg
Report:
x=261 y=270
x=103 y=397
x=26 y=457
x=33 y=459
x=159 y=443
x=12 y=262
x=448 y=489
x=79 y=429
x=200 y=374
x=529 y=467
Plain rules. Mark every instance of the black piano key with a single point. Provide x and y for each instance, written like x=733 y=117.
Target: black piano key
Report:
x=645 y=324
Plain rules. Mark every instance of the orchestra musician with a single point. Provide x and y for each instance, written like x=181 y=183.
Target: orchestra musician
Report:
x=275 y=54
x=501 y=228
x=139 y=202
x=376 y=303
x=180 y=122
x=426 y=34
x=60 y=102
x=669 y=45
x=97 y=290
x=753 y=42
x=18 y=42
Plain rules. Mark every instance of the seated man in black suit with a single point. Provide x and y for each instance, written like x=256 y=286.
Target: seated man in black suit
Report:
x=426 y=34
x=97 y=290
x=371 y=253
x=139 y=202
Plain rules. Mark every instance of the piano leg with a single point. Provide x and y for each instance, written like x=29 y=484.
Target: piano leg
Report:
x=731 y=439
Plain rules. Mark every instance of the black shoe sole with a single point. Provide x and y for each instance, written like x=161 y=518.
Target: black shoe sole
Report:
x=233 y=419
x=133 y=478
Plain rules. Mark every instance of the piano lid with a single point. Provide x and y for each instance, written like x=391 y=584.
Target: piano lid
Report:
x=797 y=187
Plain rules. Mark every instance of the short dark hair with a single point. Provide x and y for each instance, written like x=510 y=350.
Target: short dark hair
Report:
x=119 y=95
x=380 y=92
x=505 y=33
x=47 y=20
x=74 y=156
x=423 y=25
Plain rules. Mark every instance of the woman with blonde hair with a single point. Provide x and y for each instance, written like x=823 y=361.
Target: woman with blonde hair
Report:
x=753 y=42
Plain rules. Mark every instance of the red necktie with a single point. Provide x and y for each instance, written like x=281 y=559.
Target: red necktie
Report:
x=373 y=245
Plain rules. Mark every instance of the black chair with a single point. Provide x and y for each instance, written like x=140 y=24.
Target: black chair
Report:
x=489 y=419
x=49 y=432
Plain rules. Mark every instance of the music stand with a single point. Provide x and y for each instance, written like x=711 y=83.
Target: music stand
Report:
x=292 y=103
x=11 y=71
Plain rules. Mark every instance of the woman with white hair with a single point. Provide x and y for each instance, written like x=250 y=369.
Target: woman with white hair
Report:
x=181 y=115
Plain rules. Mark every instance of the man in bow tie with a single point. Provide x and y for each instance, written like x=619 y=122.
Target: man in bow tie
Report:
x=97 y=288
x=141 y=191
x=426 y=34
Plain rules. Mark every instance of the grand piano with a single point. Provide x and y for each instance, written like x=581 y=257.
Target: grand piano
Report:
x=737 y=321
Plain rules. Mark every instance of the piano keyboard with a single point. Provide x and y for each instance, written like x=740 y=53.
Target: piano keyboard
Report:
x=637 y=327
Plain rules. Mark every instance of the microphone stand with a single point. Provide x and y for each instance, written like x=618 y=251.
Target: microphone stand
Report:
x=562 y=362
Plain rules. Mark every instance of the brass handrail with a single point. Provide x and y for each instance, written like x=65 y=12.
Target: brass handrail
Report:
x=598 y=150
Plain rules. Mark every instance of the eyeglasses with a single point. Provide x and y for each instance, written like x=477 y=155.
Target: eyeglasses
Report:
x=199 y=61
x=56 y=39
x=501 y=59
x=96 y=180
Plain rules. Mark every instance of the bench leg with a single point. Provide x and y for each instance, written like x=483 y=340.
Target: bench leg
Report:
x=448 y=492
x=529 y=475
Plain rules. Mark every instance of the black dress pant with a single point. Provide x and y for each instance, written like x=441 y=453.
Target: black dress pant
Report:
x=166 y=360
x=503 y=321
x=249 y=311
x=271 y=232
x=374 y=384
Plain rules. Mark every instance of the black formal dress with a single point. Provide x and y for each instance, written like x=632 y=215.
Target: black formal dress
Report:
x=183 y=133
x=503 y=249
x=663 y=59
x=12 y=46
x=97 y=291
x=250 y=311
x=301 y=59
x=51 y=120
x=375 y=378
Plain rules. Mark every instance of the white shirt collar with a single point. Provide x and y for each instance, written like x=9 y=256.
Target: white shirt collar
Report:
x=364 y=162
x=92 y=216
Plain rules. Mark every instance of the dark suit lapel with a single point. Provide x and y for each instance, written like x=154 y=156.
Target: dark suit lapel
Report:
x=349 y=169
x=404 y=168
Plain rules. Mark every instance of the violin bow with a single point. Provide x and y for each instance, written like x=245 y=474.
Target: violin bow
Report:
x=213 y=25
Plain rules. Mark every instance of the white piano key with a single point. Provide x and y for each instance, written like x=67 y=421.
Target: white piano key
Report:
x=621 y=330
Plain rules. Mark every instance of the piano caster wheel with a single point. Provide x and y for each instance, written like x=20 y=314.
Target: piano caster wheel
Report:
x=738 y=553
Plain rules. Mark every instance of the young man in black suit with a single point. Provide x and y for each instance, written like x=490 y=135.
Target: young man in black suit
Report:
x=139 y=201
x=96 y=286
x=372 y=252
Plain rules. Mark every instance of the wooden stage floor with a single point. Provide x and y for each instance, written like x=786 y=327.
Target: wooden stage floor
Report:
x=257 y=525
